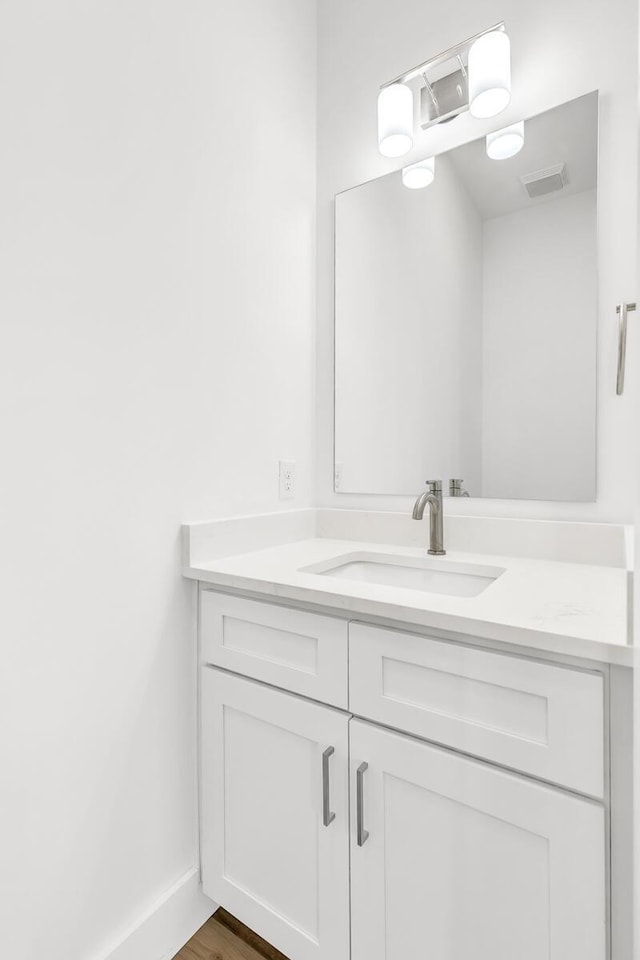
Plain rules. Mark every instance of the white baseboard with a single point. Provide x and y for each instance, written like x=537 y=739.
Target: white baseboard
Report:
x=167 y=925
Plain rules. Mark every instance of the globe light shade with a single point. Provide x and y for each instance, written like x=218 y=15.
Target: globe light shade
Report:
x=395 y=120
x=421 y=174
x=507 y=142
x=489 y=75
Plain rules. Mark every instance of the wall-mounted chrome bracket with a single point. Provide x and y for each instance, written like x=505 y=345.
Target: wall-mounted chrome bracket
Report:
x=622 y=310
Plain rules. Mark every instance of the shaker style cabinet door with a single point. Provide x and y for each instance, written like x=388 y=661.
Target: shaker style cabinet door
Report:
x=275 y=815
x=453 y=859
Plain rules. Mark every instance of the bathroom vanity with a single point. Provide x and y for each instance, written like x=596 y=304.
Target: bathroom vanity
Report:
x=408 y=756
x=430 y=754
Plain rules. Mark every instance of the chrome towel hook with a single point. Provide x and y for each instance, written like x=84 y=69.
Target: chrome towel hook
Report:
x=622 y=310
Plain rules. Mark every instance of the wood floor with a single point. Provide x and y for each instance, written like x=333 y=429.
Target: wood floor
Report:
x=225 y=938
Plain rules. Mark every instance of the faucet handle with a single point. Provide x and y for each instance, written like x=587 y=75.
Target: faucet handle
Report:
x=435 y=486
x=456 y=489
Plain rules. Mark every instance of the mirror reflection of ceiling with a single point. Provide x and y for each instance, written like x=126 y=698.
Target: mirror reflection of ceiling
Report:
x=563 y=135
x=466 y=321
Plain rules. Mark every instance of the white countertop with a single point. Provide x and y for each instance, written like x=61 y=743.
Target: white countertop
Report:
x=575 y=609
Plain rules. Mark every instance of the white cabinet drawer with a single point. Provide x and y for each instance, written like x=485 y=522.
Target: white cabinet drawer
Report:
x=302 y=652
x=542 y=719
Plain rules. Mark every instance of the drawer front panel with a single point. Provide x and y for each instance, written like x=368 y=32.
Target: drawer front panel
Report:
x=298 y=651
x=542 y=719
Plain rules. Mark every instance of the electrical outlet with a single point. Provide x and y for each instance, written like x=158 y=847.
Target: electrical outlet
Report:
x=337 y=477
x=287 y=488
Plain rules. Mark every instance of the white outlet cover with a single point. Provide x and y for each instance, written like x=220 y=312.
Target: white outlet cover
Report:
x=287 y=480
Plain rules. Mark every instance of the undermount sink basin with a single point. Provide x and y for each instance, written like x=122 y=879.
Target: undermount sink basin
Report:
x=431 y=575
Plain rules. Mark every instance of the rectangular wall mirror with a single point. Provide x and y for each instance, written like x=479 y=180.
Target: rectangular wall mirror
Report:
x=465 y=320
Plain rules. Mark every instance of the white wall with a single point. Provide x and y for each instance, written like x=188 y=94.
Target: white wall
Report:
x=559 y=51
x=157 y=258
x=405 y=409
x=539 y=338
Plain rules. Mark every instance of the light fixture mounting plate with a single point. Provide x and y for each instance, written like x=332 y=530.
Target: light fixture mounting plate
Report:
x=444 y=99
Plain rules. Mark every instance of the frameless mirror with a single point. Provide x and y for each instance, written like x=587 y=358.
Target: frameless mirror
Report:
x=465 y=321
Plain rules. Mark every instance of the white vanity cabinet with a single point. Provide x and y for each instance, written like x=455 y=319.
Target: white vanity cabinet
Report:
x=334 y=836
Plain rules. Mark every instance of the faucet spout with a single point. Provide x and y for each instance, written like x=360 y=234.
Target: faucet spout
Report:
x=433 y=499
x=419 y=505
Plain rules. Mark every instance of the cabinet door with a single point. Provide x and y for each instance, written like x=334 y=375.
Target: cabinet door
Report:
x=272 y=854
x=463 y=860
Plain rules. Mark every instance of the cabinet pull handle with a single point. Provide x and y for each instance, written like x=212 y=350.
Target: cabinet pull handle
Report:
x=622 y=310
x=327 y=815
x=363 y=835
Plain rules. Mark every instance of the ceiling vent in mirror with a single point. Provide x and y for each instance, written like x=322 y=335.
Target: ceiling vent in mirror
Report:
x=545 y=181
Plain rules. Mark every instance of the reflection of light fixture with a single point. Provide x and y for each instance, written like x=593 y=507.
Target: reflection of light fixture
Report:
x=395 y=120
x=507 y=142
x=421 y=174
x=489 y=74
x=473 y=75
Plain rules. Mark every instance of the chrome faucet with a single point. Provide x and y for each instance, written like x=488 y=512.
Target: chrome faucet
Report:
x=433 y=497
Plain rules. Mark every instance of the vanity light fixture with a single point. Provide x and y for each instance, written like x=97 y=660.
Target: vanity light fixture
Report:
x=395 y=120
x=507 y=142
x=474 y=75
x=489 y=75
x=420 y=174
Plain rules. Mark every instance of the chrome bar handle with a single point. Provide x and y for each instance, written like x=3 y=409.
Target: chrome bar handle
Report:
x=622 y=310
x=363 y=835
x=327 y=815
